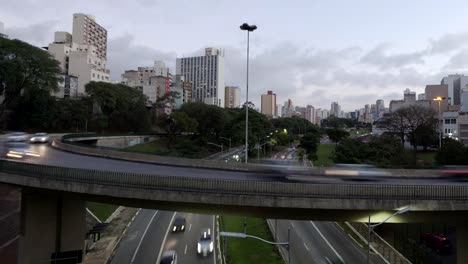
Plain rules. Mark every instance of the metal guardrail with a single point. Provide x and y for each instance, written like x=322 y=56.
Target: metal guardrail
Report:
x=243 y=187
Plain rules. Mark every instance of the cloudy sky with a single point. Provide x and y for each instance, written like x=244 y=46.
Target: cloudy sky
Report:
x=311 y=51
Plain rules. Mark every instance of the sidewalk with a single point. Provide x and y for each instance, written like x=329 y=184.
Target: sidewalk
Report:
x=103 y=250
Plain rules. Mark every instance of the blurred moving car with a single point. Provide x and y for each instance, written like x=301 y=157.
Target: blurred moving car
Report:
x=205 y=244
x=438 y=242
x=18 y=150
x=169 y=257
x=357 y=172
x=17 y=137
x=457 y=173
x=39 y=138
x=179 y=225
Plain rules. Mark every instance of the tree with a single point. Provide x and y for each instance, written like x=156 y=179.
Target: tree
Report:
x=452 y=152
x=413 y=122
x=176 y=123
x=336 y=135
x=381 y=151
x=24 y=69
x=309 y=142
x=122 y=106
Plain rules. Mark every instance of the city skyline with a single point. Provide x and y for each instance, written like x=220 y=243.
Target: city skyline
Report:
x=315 y=71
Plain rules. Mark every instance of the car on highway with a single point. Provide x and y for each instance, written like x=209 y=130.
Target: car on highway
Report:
x=17 y=137
x=438 y=242
x=179 y=225
x=169 y=257
x=456 y=173
x=18 y=150
x=357 y=172
x=39 y=138
x=205 y=244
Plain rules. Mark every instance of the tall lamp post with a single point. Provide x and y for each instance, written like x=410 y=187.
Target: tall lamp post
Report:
x=439 y=99
x=249 y=28
x=229 y=142
x=371 y=228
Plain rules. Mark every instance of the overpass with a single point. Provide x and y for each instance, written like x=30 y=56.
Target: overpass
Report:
x=54 y=190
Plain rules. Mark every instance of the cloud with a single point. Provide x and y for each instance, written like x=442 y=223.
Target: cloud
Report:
x=39 y=34
x=448 y=42
x=458 y=61
x=380 y=58
x=124 y=54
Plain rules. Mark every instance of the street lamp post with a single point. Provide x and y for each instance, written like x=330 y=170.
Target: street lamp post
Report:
x=249 y=28
x=371 y=228
x=439 y=99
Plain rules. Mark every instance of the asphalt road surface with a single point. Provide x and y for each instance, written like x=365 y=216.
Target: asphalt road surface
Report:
x=53 y=157
x=316 y=242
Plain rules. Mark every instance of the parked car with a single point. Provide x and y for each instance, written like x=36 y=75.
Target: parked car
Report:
x=205 y=244
x=39 y=138
x=17 y=137
x=169 y=257
x=438 y=242
x=179 y=225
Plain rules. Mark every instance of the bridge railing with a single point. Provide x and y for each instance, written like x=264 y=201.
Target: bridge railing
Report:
x=244 y=187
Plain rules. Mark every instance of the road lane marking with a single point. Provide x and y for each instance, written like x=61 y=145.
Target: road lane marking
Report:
x=306 y=247
x=164 y=239
x=328 y=243
x=328 y=260
x=185 y=251
x=292 y=224
x=142 y=237
x=190 y=227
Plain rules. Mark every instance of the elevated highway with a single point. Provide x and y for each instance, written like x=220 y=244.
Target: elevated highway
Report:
x=55 y=186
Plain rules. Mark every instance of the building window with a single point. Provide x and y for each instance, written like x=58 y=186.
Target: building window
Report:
x=453 y=121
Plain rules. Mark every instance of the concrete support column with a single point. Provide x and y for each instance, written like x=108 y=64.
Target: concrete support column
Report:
x=462 y=242
x=50 y=223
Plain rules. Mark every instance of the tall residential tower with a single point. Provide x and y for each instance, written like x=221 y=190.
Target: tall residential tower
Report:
x=206 y=73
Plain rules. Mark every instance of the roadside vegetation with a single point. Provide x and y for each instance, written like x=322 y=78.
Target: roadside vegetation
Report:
x=324 y=155
x=240 y=251
x=100 y=210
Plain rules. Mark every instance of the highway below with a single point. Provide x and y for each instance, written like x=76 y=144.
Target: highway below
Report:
x=316 y=242
x=150 y=235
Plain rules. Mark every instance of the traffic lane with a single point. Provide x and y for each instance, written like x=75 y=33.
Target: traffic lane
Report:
x=151 y=244
x=144 y=238
x=129 y=242
x=52 y=157
x=185 y=243
x=321 y=242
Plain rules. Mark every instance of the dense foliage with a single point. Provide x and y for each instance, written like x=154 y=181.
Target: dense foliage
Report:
x=452 y=152
x=381 y=151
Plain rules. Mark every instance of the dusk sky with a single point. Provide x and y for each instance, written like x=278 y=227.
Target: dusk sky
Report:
x=313 y=52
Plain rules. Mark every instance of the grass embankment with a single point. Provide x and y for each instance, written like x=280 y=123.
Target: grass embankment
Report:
x=324 y=154
x=100 y=210
x=427 y=157
x=182 y=147
x=240 y=251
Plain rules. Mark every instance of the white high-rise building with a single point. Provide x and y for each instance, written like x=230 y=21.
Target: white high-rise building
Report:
x=82 y=57
x=206 y=73
x=86 y=31
x=310 y=114
x=455 y=83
